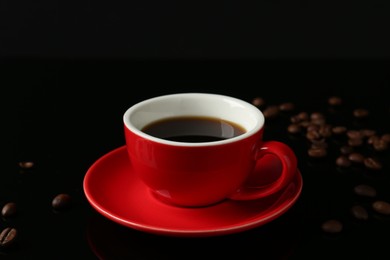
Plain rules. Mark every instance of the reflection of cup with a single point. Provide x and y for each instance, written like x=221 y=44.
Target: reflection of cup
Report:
x=194 y=170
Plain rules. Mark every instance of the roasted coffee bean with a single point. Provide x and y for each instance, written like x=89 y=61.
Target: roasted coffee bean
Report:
x=317 y=152
x=8 y=237
x=343 y=161
x=338 y=130
x=365 y=190
x=360 y=112
x=346 y=149
x=382 y=207
x=303 y=116
x=355 y=142
x=312 y=127
x=316 y=116
x=359 y=212
x=61 y=201
x=373 y=163
x=354 y=134
x=26 y=164
x=9 y=210
x=258 y=102
x=332 y=226
x=335 y=101
x=356 y=157
x=386 y=137
x=313 y=135
x=372 y=139
x=368 y=132
x=326 y=131
x=304 y=124
x=319 y=144
x=294 y=129
x=287 y=106
x=271 y=111
x=380 y=145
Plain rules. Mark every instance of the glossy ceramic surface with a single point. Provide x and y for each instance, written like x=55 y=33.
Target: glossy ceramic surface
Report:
x=113 y=189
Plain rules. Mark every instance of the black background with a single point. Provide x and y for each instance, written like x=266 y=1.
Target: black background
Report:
x=70 y=70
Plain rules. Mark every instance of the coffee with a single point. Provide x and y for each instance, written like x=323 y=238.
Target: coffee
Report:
x=193 y=129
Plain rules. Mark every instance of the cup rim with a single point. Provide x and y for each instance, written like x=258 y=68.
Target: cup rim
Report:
x=253 y=109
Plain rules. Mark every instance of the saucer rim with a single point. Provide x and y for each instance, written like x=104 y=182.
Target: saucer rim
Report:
x=257 y=222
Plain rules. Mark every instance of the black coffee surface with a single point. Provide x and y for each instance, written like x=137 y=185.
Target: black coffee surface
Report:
x=193 y=129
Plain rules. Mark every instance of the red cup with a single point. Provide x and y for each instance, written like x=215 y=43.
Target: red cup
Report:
x=195 y=174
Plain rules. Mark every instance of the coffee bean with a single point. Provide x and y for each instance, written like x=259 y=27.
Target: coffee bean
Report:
x=343 y=161
x=319 y=144
x=271 y=111
x=359 y=212
x=356 y=157
x=382 y=207
x=9 y=210
x=326 y=131
x=372 y=139
x=332 y=226
x=380 y=145
x=26 y=164
x=335 y=101
x=287 y=106
x=313 y=135
x=372 y=163
x=258 y=101
x=338 y=130
x=355 y=142
x=294 y=129
x=360 y=112
x=316 y=115
x=346 y=149
x=368 y=132
x=386 y=137
x=61 y=201
x=354 y=134
x=365 y=190
x=8 y=237
x=317 y=152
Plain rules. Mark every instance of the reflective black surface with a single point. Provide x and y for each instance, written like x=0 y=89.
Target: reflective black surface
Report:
x=64 y=114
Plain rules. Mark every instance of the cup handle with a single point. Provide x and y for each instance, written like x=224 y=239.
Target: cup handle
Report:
x=288 y=161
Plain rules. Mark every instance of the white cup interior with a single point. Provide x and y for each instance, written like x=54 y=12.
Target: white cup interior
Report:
x=194 y=104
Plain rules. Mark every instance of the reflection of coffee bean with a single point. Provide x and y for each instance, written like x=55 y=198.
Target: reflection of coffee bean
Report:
x=359 y=212
x=332 y=226
x=7 y=237
x=9 y=210
x=365 y=190
x=61 y=201
x=382 y=207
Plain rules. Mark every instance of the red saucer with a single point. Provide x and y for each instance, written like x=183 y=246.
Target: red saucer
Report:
x=115 y=192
